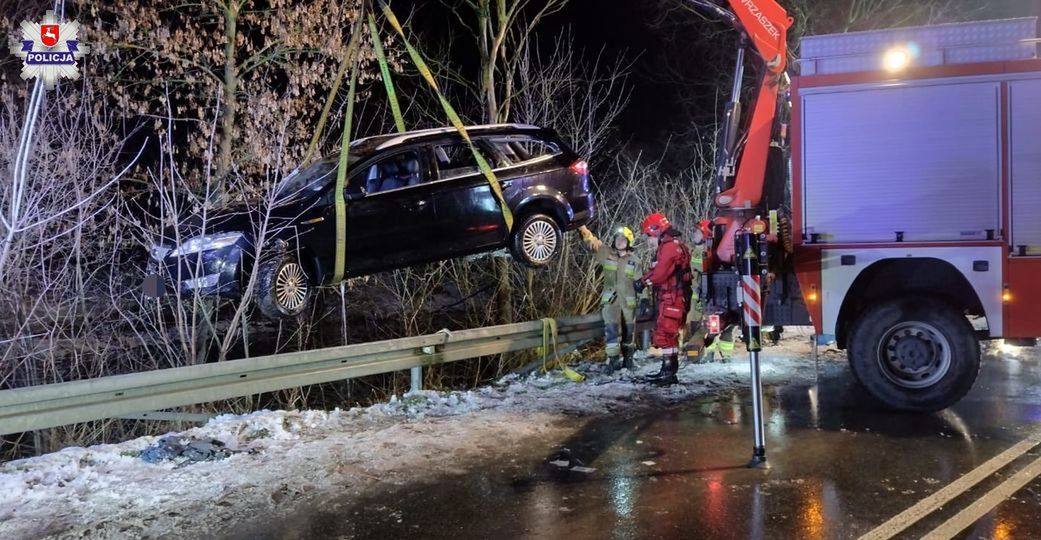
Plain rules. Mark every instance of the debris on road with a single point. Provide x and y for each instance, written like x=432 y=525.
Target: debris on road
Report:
x=173 y=447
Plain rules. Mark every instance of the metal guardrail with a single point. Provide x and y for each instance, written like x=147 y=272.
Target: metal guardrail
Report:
x=51 y=405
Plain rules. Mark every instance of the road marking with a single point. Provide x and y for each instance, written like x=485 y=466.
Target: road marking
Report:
x=926 y=506
x=985 y=504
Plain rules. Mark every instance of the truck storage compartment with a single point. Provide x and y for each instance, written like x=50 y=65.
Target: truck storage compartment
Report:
x=914 y=161
x=1025 y=166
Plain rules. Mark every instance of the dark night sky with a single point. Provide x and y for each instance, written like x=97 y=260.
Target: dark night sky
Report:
x=627 y=27
x=624 y=28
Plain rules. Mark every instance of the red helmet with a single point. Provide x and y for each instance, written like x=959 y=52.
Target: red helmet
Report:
x=706 y=227
x=655 y=224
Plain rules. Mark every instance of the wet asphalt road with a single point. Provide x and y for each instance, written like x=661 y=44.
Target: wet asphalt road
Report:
x=840 y=466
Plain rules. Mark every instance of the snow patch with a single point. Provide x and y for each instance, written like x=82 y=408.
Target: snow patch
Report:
x=424 y=403
x=282 y=456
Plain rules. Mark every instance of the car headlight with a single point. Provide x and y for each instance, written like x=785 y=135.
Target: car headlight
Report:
x=206 y=243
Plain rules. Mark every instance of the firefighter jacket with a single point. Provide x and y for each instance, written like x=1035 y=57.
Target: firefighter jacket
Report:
x=671 y=277
x=671 y=269
x=619 y=272
x=618 y=296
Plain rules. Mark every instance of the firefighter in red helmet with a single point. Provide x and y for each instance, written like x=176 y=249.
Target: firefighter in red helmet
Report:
x=671 y=277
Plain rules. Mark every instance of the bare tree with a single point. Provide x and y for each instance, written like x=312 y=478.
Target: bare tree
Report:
x=502 y=30
x=59 y=156
x=269 y=62
x=579 y=97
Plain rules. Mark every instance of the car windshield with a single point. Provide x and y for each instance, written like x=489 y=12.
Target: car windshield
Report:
x=311 y=179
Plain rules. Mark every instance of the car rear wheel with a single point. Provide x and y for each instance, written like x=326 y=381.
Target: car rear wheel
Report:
x=537 y=240
x=283 y=288
x=914 y=354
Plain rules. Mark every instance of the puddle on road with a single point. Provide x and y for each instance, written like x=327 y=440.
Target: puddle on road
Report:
x=840 y=466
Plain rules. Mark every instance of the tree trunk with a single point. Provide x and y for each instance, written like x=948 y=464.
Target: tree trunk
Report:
x=491 y=104
x=488 y=45
x=504 y=296
x=230 y=105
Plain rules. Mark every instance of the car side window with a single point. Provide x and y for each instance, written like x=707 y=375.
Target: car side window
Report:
x=517 y=150
x=400 y=170
x=455 y=160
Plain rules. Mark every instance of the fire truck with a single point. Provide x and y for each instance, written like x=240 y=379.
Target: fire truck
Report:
x=895 y=179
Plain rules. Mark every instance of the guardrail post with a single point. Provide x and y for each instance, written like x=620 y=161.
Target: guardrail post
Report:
x=417 y=378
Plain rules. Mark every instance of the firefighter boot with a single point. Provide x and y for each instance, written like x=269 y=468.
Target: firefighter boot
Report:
x=669 y=366
x=661 y=372
x=628 y=350
x=614 y=363
x=695 y=348
x=695 y=352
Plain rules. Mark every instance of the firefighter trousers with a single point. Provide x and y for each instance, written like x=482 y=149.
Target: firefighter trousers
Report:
x=619 y=328
x=701 y=347
x=672 y=315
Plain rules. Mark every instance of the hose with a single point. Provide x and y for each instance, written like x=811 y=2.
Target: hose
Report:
x=785 y=225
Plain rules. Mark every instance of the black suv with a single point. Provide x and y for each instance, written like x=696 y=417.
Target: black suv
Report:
x=412 y=197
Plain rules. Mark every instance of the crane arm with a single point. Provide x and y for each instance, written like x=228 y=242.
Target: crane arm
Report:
x=763 y=26
x=764 y=22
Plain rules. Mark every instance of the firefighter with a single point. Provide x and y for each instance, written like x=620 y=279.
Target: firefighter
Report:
x=618 y=299
x=696 y=348
x=671 y=278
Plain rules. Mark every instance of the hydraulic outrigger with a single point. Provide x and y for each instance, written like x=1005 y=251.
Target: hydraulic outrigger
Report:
x=740 y=173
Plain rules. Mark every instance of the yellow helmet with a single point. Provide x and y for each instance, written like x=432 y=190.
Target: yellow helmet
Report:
x=627 y=233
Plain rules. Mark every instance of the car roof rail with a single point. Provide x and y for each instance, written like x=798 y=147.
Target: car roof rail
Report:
x=396 y=139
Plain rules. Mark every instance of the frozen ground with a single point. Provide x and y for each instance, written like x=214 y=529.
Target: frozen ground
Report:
x=285 y=458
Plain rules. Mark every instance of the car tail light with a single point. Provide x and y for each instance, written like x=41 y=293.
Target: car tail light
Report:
x=580 y=167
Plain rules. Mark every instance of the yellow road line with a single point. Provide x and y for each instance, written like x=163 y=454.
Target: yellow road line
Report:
x=924 y=507
x=986 y=503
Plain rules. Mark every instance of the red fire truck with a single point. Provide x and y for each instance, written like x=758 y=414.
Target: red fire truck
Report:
x=899 y=175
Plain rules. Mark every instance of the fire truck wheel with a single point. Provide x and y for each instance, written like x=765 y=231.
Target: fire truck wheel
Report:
x=853 y=370
x=914 y=354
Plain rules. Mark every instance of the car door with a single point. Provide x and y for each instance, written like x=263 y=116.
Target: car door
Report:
x=468 y=213
x=390 y=214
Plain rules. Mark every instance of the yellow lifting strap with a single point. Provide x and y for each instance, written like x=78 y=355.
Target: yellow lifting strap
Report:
x=339 y=267
x=381 y=58
x=549 y=333
x=457 y=122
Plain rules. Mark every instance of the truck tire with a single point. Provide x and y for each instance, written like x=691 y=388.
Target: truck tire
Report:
x=283 y=288
x=537 y=240
x=914 y=354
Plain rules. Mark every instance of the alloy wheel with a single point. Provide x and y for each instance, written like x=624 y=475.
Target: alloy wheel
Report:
x=291 y=287
x=539 y=241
